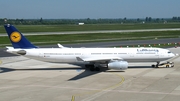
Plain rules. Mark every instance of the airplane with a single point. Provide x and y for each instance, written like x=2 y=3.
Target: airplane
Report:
x=93 y=58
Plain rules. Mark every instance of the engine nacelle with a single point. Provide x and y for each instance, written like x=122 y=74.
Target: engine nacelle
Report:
x=118 y=65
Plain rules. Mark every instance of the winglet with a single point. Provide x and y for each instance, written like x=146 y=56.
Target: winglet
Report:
x=16 y=38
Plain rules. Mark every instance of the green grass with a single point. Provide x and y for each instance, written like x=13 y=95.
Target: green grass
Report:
x=96 y=37
x=95 y=27
x=154 y=45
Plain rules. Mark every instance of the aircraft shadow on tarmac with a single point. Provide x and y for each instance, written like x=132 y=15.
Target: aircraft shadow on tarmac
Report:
x=83 y=74
x=131 y=67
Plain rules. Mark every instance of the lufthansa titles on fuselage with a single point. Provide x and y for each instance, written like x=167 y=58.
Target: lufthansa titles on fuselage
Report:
x=147 y=50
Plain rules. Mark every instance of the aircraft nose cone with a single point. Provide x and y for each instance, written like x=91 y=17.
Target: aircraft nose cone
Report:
x=172 y=55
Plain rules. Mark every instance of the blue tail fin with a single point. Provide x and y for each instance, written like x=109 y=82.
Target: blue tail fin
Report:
x=16 y=38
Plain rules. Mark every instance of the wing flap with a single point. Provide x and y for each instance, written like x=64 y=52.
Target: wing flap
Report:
x=96 y=59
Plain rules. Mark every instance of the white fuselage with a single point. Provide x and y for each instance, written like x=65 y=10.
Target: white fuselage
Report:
x=69 y=55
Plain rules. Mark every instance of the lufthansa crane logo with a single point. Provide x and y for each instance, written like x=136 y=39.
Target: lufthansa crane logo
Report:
x=15 y=37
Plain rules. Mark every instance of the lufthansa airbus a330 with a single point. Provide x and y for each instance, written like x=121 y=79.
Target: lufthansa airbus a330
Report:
x=113 y=58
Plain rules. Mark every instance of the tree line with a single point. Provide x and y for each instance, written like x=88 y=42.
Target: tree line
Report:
x=42 y=21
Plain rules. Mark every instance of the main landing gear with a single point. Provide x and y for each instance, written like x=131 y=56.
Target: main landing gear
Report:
x=92 y=67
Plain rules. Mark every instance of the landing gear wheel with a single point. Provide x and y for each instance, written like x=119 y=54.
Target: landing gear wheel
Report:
x=157 y=64
x=153 y=66
x=97 y=69
x=91 y=68
x=167 y=66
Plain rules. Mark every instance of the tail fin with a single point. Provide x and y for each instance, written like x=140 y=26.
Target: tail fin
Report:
x=16 y=38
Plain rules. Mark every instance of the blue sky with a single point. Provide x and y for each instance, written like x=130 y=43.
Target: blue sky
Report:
x=76 y=9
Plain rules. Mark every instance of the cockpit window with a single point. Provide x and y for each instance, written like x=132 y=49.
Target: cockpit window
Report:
x=169 y=52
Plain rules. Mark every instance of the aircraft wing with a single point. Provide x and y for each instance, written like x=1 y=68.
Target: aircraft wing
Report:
x=61 y=46
x=98 y=59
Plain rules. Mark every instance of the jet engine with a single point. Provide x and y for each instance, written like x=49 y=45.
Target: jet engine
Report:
x=118 y=65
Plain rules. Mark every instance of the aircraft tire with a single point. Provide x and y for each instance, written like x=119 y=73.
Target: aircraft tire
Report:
x=167 y=66
x=153 y=66
x=91 y=68
x=97 y=69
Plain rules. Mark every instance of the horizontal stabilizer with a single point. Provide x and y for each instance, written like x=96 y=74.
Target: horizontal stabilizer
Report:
x=9 y=47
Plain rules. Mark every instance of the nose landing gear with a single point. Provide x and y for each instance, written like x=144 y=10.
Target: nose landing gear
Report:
x=165 y=64
x=156 y=65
